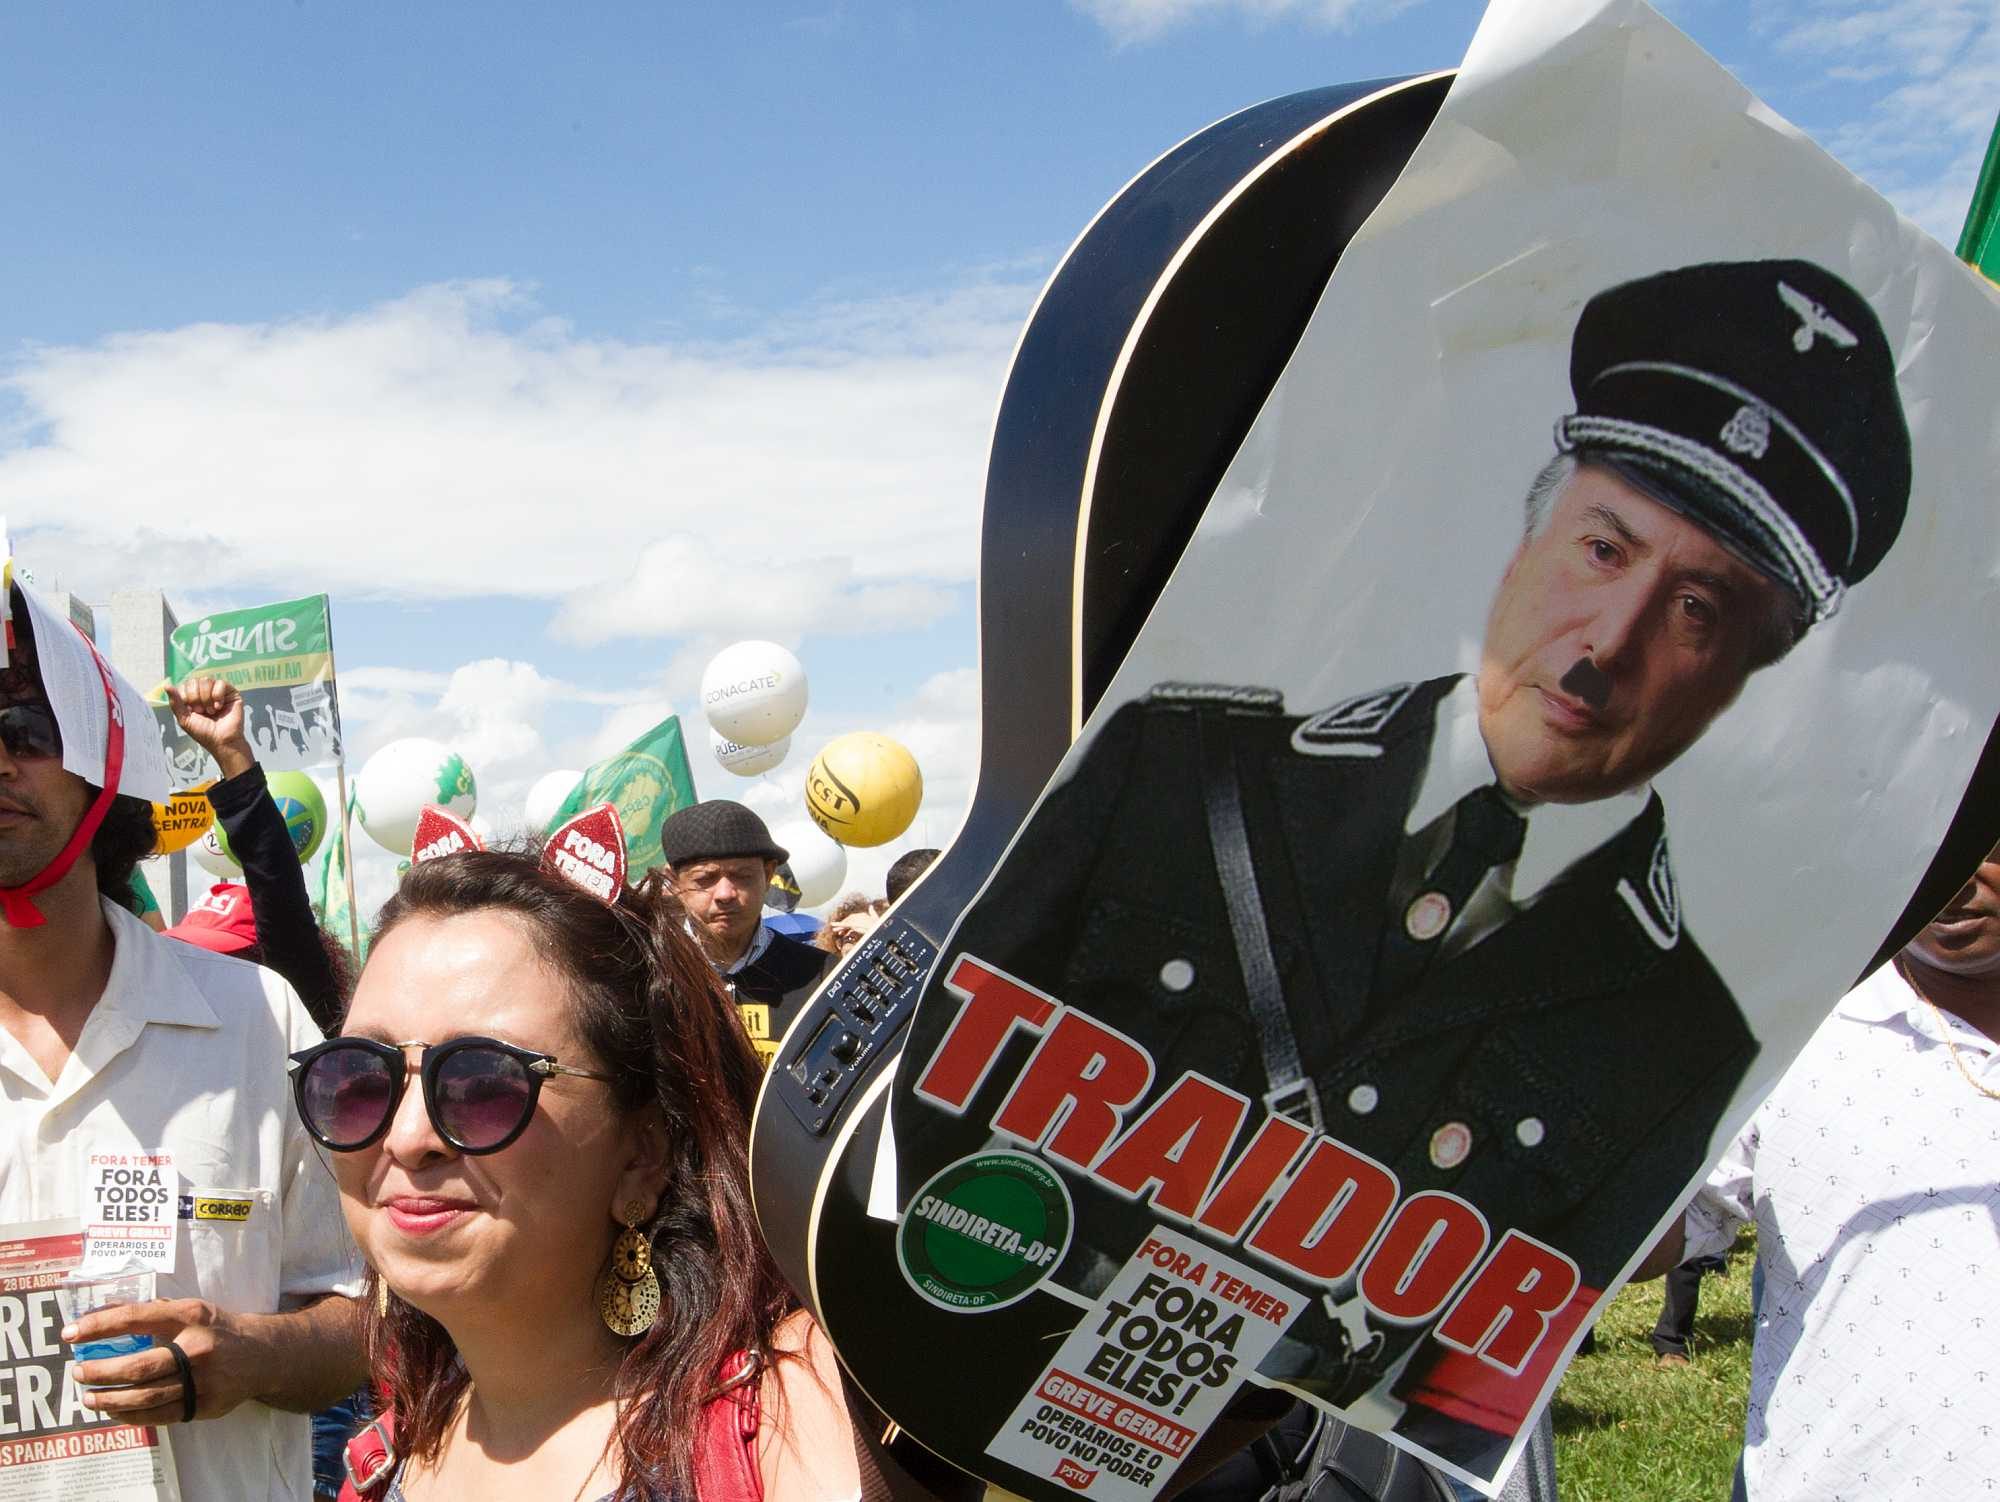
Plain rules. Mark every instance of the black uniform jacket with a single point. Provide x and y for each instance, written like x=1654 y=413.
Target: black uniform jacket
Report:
x=770 y=989
x=1586 y=1045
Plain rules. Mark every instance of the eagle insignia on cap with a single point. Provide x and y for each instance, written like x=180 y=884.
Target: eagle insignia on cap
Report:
x=1814 y=320
x=1748 y=432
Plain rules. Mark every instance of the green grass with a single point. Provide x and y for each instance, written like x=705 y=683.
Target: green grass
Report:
x=1627 y=1429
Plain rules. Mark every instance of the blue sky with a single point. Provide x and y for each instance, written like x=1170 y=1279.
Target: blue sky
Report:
x=565 y=345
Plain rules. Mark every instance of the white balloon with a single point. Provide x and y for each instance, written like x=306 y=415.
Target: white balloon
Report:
x=481 y=826
x=746 y=761
x=818 y=865
x=754 y=693
x=400 y=779
x=207 y=853
x=548 y=794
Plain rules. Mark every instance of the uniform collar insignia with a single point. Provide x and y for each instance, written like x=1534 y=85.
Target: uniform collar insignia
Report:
x=1659 y=911
x=1350 y=727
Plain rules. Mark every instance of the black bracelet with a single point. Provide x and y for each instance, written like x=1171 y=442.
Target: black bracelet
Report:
x=186 y=1370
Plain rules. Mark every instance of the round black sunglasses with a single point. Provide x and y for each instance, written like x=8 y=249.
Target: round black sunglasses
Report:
x=480 y=1093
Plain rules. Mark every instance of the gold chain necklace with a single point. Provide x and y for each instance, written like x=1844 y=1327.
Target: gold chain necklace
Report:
x=1944 y=1028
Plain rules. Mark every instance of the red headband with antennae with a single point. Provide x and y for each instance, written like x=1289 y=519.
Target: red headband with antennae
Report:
x=587 y=852
x=441 y=832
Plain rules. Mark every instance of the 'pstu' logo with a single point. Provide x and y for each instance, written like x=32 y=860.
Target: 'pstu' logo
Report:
x=1074 y=1476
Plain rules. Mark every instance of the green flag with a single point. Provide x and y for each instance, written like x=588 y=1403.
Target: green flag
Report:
x=280 y=657
x=1979 y=244
x=645 y=782
x=336 y=913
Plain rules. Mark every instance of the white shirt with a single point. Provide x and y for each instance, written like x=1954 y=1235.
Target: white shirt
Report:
x=186 y=1052
x=1558 y=834
x=1873 y=1173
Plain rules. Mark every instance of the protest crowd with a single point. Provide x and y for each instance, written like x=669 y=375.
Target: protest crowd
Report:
x=455 y=1198
x=498 y=1241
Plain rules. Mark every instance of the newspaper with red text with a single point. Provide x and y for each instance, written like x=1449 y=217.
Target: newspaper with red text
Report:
x=51 y=1445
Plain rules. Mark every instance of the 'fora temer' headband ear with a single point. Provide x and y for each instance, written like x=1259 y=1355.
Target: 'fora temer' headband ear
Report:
x=587 y=852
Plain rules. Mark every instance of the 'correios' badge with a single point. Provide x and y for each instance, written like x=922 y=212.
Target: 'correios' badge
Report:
x=984 y=1232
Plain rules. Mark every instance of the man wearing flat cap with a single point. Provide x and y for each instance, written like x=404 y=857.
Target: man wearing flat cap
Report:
x=1439 y=921
x=722 y=858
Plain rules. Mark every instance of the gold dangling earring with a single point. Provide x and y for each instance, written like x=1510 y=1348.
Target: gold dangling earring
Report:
x=628 y=1293
x=381 y=1296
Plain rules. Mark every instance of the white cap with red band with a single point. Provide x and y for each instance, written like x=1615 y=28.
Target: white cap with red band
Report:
x=76 y=693
x=108 y=739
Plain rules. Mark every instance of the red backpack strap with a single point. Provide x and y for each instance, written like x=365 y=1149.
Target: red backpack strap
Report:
x=371 y=1461
x=725 y=1456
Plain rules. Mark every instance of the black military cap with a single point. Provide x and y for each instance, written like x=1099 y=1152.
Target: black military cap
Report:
x=1755 y=397
x=717 y=830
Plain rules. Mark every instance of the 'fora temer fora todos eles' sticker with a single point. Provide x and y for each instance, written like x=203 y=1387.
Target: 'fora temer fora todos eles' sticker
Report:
x=1147 y=1370
x=1296 y=1199
x=984 y=1232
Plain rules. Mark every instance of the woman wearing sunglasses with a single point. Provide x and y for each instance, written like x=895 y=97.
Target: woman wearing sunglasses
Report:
x=538 y=1113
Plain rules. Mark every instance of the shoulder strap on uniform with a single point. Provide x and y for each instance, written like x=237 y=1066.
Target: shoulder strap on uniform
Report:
x=1289 y=1090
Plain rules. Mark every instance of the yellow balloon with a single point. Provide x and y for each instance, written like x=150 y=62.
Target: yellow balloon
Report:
x=863 y=789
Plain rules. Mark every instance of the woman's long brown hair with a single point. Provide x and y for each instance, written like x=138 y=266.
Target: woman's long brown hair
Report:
x=649 y=1007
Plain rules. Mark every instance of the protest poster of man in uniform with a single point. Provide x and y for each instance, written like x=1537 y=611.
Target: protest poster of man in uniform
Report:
x=280 y=658
x=1541 y=730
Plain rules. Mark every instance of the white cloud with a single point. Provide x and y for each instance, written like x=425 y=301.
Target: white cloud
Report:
x=455 y=442
x=391 y=680
x=626 y=725
x=496 y=707
x=1933 y=67
x=683 y=585
x=1142 y=20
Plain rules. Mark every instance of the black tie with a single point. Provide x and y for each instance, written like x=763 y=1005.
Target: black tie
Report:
x=1485 y=833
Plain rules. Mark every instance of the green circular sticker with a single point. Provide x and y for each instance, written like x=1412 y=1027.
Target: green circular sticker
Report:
x=984 y=1232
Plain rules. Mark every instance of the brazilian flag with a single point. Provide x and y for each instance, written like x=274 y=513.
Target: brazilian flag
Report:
x=647 y=781
x=1979 y=244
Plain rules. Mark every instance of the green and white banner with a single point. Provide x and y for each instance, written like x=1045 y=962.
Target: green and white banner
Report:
x=280 y=657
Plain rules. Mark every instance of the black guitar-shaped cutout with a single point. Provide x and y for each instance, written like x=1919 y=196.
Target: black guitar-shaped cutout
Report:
x=1105 y=452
